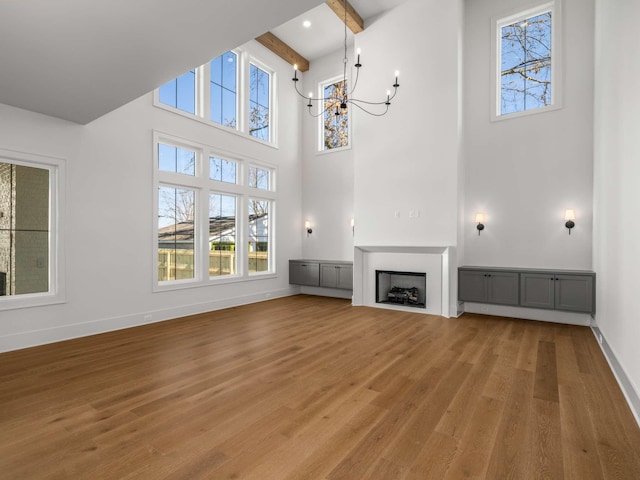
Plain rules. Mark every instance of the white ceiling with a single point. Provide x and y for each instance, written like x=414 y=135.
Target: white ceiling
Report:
x=80 y=59
x=326 y=33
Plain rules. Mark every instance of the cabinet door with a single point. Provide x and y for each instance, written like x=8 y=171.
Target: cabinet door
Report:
x=345 y=277
x=302 y=273
x=472 y=286
x=328 y=275
x=537 y=290
x=296 y=273
x=502 y=288
x=574 y=293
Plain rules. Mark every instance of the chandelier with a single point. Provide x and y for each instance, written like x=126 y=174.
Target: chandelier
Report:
x=345 y=97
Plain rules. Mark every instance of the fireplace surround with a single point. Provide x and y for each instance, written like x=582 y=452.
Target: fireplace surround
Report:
x=435 y=261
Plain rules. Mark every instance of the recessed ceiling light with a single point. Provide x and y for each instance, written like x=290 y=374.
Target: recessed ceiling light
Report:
x=306 y=24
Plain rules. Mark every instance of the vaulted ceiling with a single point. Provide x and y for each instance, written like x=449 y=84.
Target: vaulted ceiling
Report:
x=78 y=59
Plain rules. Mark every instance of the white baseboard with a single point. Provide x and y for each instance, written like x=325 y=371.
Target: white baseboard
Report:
x=60 y=333
x=630 y=392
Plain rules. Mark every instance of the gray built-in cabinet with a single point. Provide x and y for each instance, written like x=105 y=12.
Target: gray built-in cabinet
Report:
x=568 y=290
x=321 y=273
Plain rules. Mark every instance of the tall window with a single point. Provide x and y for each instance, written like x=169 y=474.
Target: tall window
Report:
x=526 y=61
x=214 y=215
x=180 y=92
x=259 y=235
x=29 y=244
x=222 y=234
x=176 y=233
x=259 y=101
x=223 y=89
x=213 y=92
x=335 y=121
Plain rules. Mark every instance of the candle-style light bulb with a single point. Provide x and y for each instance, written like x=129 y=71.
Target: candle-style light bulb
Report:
x=358 y=65
x=295 y=72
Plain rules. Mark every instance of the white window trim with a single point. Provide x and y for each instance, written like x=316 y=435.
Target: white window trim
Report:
x=57 y=208
x=320 y=126
x=202 y=115
x=556 y=57
x=203 y=186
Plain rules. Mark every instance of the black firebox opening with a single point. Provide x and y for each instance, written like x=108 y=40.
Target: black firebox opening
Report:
x=401 y=288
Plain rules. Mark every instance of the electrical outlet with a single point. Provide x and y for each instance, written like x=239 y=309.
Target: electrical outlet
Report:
x=600 y=338
x=147 y=318
x=396 y=214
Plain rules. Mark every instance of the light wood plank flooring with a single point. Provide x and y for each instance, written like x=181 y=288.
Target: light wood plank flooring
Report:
x=312 y=388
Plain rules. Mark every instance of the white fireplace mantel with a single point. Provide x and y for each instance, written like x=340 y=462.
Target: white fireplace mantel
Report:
x=434 y=260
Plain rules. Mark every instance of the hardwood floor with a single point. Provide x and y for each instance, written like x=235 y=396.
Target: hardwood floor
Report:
x=312 y=388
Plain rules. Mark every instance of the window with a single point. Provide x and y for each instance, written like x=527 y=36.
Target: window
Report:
x=180 y=92
x=214 y=215
x=222 y=234
x=526 y=61
x=214 y=92
x=176 y=233
x=223 y=89
x=222 y=170
x=177 y=160
x=30 y=191
x=259 y=229
x=258 y=178
x=335 y=120
x=259 y=95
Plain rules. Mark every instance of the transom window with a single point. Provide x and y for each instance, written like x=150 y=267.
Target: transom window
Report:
x=526 y=61
x=210 y=224
x=214 y=92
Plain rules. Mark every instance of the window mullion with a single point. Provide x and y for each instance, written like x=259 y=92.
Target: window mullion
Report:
x=204 y=92
x=243 y=93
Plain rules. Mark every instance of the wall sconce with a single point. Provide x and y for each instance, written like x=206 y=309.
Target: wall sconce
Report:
x=569 y=216
x=307 y=226
x=479 y=220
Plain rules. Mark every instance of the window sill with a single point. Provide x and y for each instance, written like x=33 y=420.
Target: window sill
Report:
x=204 y=121
x=526 y=113
x=29 y=301
x=188 y=284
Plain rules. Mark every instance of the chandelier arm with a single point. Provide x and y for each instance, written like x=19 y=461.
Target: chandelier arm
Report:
x=371 y=113
x=388 y=100
x=355 y=83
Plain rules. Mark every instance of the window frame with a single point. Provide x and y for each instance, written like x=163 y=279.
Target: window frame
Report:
x=203 y=98
x=320 y=126
x=497 y=23
x=57 y=206
x=204 y=187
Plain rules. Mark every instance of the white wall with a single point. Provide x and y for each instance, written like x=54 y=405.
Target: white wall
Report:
x=109 y=224
x=407 y=161
x=617 y=170
x=524 y=172
x=327 y=178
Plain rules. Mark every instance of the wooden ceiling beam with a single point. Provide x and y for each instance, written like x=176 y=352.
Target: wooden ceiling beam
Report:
x=283 y=50
x=354 y=20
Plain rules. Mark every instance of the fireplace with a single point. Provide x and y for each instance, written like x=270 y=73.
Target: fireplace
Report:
x=408 y=289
